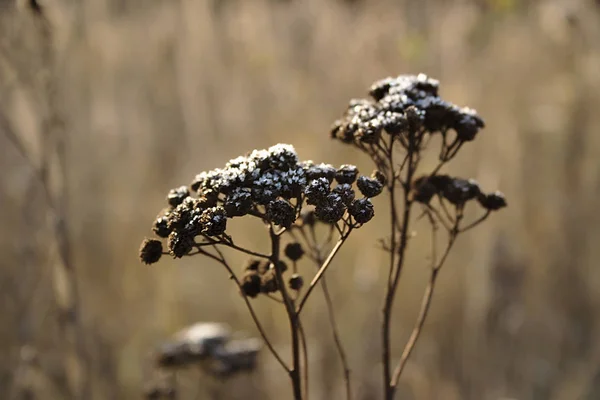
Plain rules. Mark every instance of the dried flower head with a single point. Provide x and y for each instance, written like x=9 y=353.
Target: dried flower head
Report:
x=492 y=201
x=317 y=190
x=362 y=210
x=459 y=191
x=407 y=106
x=294 y=251
x=179 y=244
x=379 y=177
x=331 y=209
x=177 y=195
x=150 y=251
x=369 y=187
x=296 y=282
x=345 y=191
x=269 y=282
x=346 y=174
x=251 y=284
x=161 y=226
x=281 y=212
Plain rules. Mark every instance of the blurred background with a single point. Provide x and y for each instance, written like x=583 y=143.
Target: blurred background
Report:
x=105 y=105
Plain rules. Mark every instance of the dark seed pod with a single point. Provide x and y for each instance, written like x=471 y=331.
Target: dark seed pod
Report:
x=362 y=210
x=317 y=190
x=281 y=212
x=269 y=282
x=331 y=209
x=251 y=284
x=346 y=174
x=177 y=195
x=150 y=251
x=179 y=244
x=345 y=191
x=369 y=187
x=294 y=251
x=161 y=226
x=296 y=282
x=493 y=201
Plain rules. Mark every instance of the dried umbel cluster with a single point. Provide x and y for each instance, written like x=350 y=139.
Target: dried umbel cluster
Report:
x=395 y=127
x=456 y=191
x=291 y=198
x=406 y=109
x=272 y=185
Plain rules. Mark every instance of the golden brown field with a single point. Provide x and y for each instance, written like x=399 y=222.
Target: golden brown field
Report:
x=106 y=104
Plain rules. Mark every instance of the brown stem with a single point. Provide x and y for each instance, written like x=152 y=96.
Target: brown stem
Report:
x=425 y=303
x=304 y=359
x=393 y=282
x=293 y=316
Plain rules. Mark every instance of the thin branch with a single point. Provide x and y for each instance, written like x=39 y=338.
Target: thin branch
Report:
x=263 y=334
x=337 y=339
x=229 y=243
x=476 y=222
x=305 y=360
x=425 y=303
x=322 y=270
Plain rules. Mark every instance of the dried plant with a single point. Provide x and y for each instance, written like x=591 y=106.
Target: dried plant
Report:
x=291 y=197
x=394 y=128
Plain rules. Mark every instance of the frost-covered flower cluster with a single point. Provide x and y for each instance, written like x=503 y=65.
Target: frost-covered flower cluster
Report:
x=270 y=184
x=403 y=106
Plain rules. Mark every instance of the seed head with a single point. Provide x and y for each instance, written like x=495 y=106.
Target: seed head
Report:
x=150 y=251
x=320 y=171
x=213 y=221
x=346 y=174
x=423 y=189
x=379 y=177
x=294 y=251
x=331 y=209
x=362 y=210
x=251 y=284
x=369 y=187
x=281 y=212
x=281 y=266
x=177 y=195
x=492 y=201
x=238 y=202
x=317 y=190
x=296 y=282
x=269 y=282
x=161 y=226
x=179 y=244
x=459 y=191
x=345 y=191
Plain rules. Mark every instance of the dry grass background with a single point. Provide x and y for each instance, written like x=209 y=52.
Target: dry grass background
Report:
x=116 y=102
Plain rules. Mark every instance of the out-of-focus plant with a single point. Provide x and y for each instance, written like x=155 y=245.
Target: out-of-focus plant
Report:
x=394 y=127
